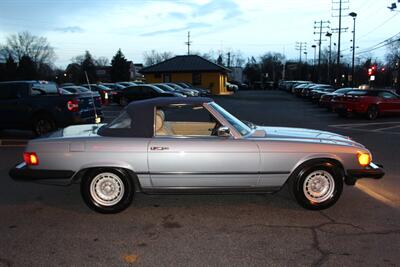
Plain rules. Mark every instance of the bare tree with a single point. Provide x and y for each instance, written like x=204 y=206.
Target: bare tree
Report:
x=102 y=61
x=153 y=57
x=25 y=44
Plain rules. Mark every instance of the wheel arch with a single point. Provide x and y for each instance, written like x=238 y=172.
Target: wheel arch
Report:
x=124 y=170
x=329 y=160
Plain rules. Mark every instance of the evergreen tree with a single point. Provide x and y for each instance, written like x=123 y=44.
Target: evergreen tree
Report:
x=119 y=67
x=26 y=69
x=88 y=65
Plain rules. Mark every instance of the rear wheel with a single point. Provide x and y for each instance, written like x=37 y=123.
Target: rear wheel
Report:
x=342 y=113
x=107 y=190
x=372 y=112
x=317 y=186
x=43 y=124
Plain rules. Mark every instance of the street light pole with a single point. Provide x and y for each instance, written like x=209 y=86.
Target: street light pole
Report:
x=328 y=34
x=353 y=15
x=315 y=55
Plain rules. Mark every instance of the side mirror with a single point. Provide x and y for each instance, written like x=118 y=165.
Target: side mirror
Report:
x=223 y=131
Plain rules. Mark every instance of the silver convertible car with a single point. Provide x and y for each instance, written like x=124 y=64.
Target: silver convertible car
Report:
x=192 y=145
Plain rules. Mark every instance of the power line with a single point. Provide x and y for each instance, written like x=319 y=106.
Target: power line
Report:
x=386 y=42
x=379 y=26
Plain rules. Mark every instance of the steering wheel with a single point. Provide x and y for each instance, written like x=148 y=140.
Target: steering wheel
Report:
x=214 y=131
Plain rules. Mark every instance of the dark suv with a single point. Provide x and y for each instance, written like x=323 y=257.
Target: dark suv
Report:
x=38 y=105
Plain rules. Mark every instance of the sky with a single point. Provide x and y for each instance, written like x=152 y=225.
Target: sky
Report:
x=135 y=26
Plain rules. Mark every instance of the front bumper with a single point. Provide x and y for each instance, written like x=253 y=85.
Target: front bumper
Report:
x=371 y=171
x=21 y=172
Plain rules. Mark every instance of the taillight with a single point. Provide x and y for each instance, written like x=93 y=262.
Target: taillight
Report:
x=73 y=105
x=31 y=158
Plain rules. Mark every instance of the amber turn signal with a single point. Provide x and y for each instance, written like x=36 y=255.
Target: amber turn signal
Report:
x=364 y=159
x=31 y=158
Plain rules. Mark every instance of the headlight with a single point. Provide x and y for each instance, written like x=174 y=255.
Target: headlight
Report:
x=364 y=159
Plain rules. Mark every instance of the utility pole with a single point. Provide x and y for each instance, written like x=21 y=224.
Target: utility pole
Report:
x=328 y=34
x=229 y=59
x=188 y=43
x=301 y=46
x=339 y=30
x=319 y=28
x=353 y=15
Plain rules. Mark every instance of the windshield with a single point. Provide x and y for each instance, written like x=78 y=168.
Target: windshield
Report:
x=241 y=127
x=164 y=87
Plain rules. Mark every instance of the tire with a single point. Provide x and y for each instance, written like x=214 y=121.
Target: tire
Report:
x=107 y=190
x=123 y=101
x=317 y=186
x=43 y=124
x=372 y=112
x=343 y=113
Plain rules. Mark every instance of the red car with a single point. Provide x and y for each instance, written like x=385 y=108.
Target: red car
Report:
x=371 y=103
x=325 y=100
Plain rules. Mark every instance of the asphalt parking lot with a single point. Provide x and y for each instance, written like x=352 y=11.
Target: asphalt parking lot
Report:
x=44 y=225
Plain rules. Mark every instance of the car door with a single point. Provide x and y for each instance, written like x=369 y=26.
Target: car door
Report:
x=205 y=161
x=389 y=102
x=14 y=105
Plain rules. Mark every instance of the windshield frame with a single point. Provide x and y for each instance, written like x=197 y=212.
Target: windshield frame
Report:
x=237 y=125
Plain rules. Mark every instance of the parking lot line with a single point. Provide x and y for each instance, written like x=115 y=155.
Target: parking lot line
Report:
x=386 y=128
x=377 y=196
x=363 y=124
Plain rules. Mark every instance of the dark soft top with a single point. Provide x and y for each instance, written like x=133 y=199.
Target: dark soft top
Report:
x=142 y=115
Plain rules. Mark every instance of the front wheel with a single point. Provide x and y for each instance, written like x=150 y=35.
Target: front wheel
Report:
x=107 y=190
x=372 y=112
x=317 y=186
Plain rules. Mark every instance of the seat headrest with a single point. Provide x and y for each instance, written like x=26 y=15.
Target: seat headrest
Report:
x=160 y=116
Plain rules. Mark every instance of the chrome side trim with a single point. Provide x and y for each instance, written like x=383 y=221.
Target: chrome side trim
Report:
x=213 y=173
x=208 y=190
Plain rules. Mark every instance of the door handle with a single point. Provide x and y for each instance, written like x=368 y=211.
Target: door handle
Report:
x=159 y=148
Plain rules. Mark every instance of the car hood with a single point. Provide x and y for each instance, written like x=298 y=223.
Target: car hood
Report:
x=306 y=135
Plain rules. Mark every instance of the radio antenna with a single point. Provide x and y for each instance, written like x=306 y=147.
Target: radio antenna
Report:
x=96 y=118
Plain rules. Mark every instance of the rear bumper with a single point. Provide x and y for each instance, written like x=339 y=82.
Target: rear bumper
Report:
x=21 y=172
x=371 y=171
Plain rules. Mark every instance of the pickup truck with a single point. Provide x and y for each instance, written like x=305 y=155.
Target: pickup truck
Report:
x=40 y=106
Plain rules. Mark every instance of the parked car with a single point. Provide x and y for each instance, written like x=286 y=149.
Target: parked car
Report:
x=42 y=107
x=242 y=86
x=104 y=92
x=232 y=87
x=66 y=84
x=76 y=89
x=305 y=92
x=315 y=94
x=202 y=91
x=371 y=103
x=192 y=145
x=116 y=91
x=325 y=100
x=185 y=91
x=293 y=84
x=297 y=89
x=168 y=89
x=141 y=92
x=126 y=84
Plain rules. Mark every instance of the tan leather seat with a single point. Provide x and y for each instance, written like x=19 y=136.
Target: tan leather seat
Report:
x=161 y=127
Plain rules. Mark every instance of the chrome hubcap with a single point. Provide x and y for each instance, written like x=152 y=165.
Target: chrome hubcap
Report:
x=319 y=186
x=107 y=189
